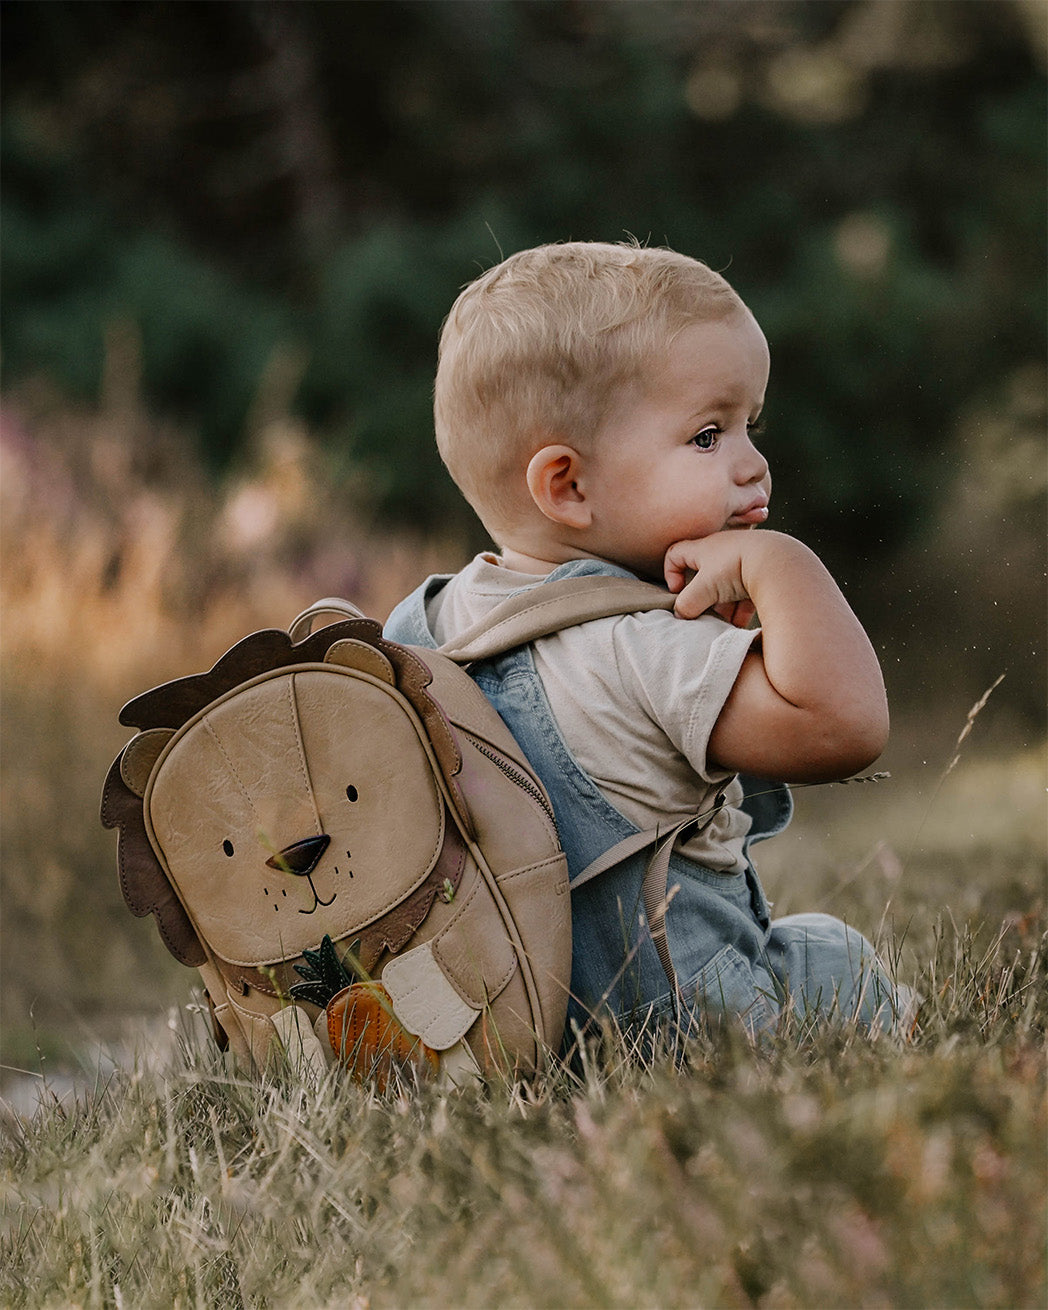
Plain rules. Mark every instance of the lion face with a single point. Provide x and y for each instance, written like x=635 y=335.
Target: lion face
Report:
x=267 y=808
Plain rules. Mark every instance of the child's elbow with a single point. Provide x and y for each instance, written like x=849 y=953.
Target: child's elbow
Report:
x=839 y=743
x=858 y=739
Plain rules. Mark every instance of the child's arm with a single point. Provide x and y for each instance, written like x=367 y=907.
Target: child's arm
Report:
x=809 y=703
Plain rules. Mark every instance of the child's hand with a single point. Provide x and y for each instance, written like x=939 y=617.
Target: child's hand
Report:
x=708 y=575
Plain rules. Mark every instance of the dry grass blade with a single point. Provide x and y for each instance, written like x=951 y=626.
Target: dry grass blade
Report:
x=969 y=722
x=963 y=736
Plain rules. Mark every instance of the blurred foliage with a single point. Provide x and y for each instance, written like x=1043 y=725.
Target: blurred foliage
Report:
x=250 y=182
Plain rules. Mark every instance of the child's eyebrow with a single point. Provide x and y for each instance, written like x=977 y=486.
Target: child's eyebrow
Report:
x=719 y=404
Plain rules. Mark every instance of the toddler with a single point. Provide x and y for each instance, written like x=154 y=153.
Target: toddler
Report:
x=597 y=405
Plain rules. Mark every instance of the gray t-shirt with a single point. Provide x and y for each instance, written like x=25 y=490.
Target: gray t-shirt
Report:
x=635 y=697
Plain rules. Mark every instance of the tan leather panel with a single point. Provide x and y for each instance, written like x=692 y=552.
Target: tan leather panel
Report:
x=516 y=832
x=538 y=901
x=259 y=1034
x=474 y=951
x=233 y=790
x=504 y=1036
x=303 y=1048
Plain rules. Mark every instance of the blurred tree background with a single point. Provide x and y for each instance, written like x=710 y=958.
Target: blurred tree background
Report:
x=262 y=194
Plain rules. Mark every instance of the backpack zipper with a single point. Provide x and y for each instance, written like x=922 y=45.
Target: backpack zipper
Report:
x=512 y=772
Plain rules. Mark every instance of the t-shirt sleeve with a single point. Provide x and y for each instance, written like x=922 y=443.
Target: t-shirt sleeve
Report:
x=680 y=672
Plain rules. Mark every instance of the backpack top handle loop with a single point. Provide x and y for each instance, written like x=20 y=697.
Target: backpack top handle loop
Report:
x=302 y=625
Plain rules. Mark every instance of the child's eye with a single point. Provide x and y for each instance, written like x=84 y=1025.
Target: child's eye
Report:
x=755 y=428
x=706 y=439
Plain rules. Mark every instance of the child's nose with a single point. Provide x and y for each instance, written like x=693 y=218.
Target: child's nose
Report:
x=752 y=466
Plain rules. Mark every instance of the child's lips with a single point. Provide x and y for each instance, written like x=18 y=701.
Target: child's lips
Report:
x=755 y=513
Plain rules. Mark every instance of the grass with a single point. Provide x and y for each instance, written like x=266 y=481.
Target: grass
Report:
x=825 y=1169
x=821 y=1169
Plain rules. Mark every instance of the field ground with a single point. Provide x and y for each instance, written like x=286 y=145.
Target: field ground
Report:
x=826 y=1170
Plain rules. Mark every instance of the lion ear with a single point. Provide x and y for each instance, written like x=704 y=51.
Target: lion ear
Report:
x=140 y=755
x=353 y=654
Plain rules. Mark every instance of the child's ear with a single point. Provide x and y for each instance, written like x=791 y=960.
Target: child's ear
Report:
x=555 y=481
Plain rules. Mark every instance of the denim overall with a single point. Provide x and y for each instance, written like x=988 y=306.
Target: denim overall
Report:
x=729 y=957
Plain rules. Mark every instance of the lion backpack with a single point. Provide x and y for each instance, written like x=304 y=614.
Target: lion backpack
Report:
x=344 y=838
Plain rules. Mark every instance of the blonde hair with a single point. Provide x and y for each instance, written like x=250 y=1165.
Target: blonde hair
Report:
x=539 y=349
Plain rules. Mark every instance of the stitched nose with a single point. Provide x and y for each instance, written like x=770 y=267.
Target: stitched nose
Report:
x=301 y=857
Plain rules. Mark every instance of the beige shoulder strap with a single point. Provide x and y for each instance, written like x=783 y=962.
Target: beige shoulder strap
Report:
x=550 y=607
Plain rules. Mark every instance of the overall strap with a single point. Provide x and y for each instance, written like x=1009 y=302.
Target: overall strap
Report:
x=657 y=895
x=550 y=607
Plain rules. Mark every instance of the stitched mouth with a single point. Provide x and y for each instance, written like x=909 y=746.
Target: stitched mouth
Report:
x=318 y=900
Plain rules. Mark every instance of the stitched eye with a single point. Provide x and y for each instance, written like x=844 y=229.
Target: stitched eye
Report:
x=227 y=846
x=351 y=792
